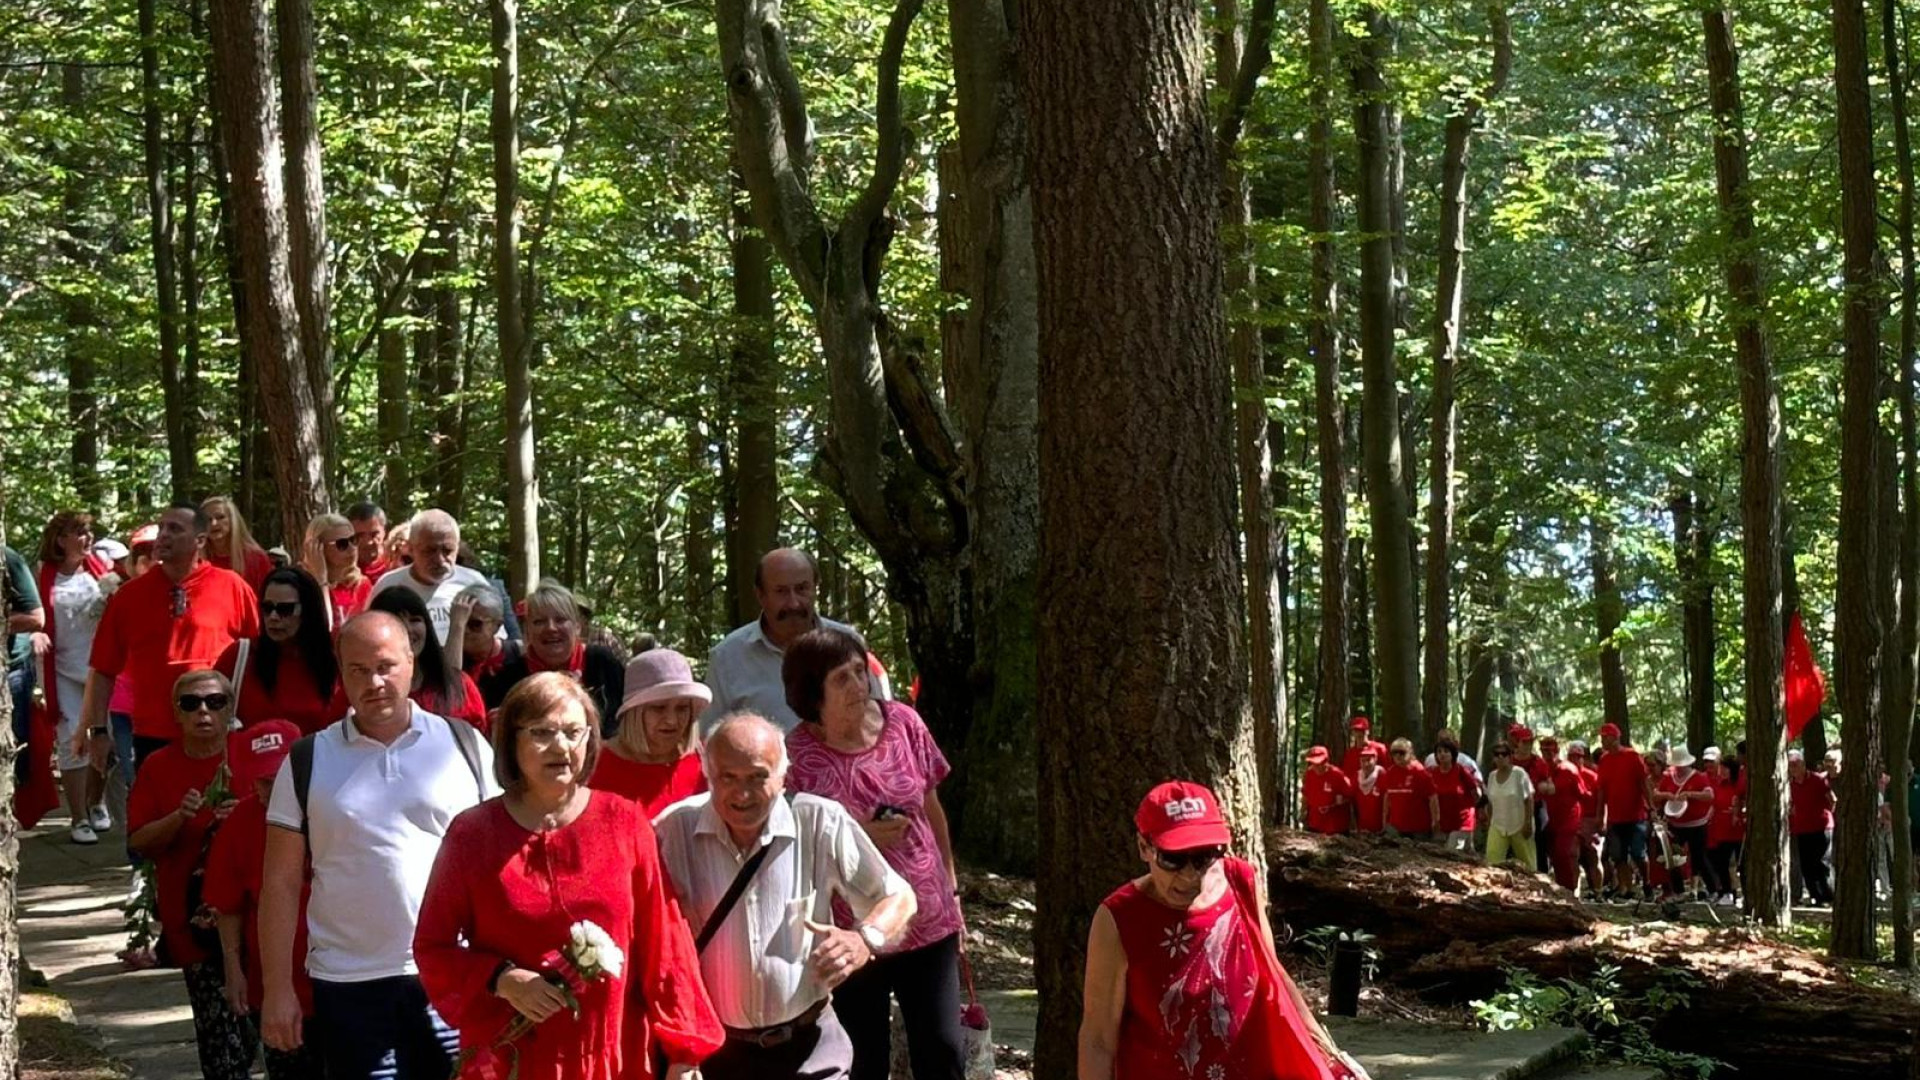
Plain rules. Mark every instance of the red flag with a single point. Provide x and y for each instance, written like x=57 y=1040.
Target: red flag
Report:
x=1806 y=684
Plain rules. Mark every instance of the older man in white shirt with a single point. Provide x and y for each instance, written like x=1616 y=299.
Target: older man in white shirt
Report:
x=773 y=958
x=744 y=669
x=434 y=538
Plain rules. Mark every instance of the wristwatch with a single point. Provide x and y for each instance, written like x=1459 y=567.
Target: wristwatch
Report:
x=875 y=938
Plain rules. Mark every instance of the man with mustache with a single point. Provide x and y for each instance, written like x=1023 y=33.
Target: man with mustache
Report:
x=744 y=669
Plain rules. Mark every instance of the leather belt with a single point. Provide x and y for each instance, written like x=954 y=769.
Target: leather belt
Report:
x=766 y=1038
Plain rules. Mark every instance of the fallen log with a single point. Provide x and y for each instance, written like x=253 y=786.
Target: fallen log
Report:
x=1451 y=929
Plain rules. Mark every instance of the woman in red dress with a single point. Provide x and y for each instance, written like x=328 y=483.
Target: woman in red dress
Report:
x=334 y=561
x=517 y=872
x=651 y=757
x=1182 y=980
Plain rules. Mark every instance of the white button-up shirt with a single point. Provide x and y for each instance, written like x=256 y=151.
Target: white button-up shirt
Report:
x=378 y=812
x=756 y=967
x=744 y=673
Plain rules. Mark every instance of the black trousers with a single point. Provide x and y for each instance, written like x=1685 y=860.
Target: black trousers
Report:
x=1694 y=838
x=1812 y=849
x=927 y=983
x=1726 y=862
x=382 y=1029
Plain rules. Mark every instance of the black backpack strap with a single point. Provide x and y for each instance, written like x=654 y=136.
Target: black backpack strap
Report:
x=302 y=766
x=467 y=738
x=727 y=902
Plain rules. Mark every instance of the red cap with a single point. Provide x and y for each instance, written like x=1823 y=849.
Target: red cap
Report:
x=1360 y=723
x=1316 y=754
x=1177 y=816
x=145 y=534
x=1519 y=733
x=255 y=753
x=1609 y=729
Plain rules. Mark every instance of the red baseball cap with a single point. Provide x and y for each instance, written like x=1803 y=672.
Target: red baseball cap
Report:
x=1360 y=723
x=1520 y=733
x=145 y=535
x=1177 y=816
x=1316 y=754
x=255 y=753
x=1609 y=729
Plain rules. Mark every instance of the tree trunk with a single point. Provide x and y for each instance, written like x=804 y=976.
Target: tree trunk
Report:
x=1693 y=565
x=181 y=431
x=446 y=340
x=391 y=421
x=523 y=492
x=1323 y=341
x=1449 y=299
x=77 y=320
x=698 y=555
x=1609 y=611
x=755 y=393
x=250 y=122
x=189 y=264
x=1133 y=249
x=11 y=963
x=1395 y=621
x=1905 y=657
x=1487 y=585
x=1857 y=645
x=307 y=211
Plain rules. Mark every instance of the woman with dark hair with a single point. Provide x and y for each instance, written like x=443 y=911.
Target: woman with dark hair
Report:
x=1459 y=795
x=75 y=583
x=437 y=686
x=878 y=760
x=289 y=671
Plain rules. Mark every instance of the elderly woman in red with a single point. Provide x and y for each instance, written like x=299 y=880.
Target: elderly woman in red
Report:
x=515 y=876
x=1182 y=979
x=1327 y=794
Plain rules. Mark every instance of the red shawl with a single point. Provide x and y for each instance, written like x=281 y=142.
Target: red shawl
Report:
x=40 y=793
x=576 y=663
x=1275 y=1020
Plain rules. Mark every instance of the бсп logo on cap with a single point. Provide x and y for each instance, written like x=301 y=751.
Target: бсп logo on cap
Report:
x=1185 y=809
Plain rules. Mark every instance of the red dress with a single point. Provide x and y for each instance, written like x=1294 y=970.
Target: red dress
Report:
x=654 y=787
x=499 y=892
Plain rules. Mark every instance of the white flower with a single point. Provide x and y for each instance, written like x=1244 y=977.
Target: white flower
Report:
x=593 y=952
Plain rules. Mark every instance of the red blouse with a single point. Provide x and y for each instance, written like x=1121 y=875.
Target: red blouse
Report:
x=654 y=787
x=293 y=697
x=473 y=709
x=255 y=567
x=349 y=600
x=499 y=892
x=1458 y=794
x=164 y=779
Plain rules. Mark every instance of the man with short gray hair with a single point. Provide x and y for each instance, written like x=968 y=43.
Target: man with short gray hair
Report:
x=434 y=538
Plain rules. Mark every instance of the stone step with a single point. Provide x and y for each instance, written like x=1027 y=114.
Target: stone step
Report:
x=1397 y=1050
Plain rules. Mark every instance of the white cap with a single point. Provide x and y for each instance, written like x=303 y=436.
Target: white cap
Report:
x=1795 y=755
x=1711 y=753
x=110 y=549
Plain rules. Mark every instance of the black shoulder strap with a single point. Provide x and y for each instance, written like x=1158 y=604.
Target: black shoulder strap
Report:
x=302 y=755
x=726 y=905
x=468 y=742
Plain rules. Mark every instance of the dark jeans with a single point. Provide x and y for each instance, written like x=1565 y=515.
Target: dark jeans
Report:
x=820 y=1052
x=20 y=686
x=927 y=982
x=301 y=1064
x=1726 y=862
x=1541 y=856
x=1812 y=849
x=1695 y=839
x=382 y=1029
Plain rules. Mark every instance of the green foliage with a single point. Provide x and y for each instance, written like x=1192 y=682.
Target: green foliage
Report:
x=1320 y=942
x=1620 y=1024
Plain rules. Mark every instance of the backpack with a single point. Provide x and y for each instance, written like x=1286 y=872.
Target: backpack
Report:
x=465 y=736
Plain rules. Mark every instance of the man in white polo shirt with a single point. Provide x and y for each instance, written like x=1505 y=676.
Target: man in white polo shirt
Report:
x=369 y=798
x=770 y=961
x=744 y=669
x=434 y=538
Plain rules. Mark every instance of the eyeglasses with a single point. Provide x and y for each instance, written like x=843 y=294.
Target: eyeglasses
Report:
x=1401 y=753
x=547 y=736
x=1201 y=859
x=342 y=544
x=180 y=601
x=192 y=703
x=286 y=611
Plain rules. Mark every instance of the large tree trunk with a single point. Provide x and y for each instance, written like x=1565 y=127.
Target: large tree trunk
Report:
x=77 y=320
x=394 y=380
x=1323 y=341
x=1131 y=329
x=1609 y=611
x=307 y=210
x=1395 y=621
x=250 y=123
x=1693 y=535
x=754 y=388
x=523 y=492
x=1858 y=631
x=1487 y=586
x=1904 y=662
x=181 y=431
x=188 y=391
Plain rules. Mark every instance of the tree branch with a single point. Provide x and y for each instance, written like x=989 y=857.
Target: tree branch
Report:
x=796 y=126
x=1253 y=63
x=917 y=409
x=890 y=150
x=758 y=107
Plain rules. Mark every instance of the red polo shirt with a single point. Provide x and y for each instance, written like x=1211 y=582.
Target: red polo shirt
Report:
x=1459 y=794
x=1727 y=825
x=1318 y=790
x=1810 y=804
x=1698 y=811
x=1408 y=788
x=1589 y=795
x=140 y=635
x=1623 y=786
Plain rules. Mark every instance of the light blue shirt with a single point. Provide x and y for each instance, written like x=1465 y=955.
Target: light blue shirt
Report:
x=744 y=673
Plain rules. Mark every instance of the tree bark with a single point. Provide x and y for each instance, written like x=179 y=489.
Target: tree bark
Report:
x=1131 y=329
x=181 y=433
x=250 y=123
x=1609 y=611
x=1395 y=621
x=1858 y=645
x=307 y=211
x=391 y=421
x=754 y=385
x=1693 y=535
x=1449 y=300
x=523 y=490
x=1323 y=341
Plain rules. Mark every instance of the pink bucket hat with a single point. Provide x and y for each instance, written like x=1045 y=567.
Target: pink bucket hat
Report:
x=661 y=675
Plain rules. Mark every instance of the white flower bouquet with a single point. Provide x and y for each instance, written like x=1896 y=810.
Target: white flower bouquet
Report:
x=589 y=956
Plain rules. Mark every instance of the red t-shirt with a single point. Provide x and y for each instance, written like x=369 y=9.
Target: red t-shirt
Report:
x=654 y=787
x=254 y=568
x=164 y=779
x=233 y=888
x=1699 y=811
x=1728 y=825
x=1589 y=794
x=140 y=635
x=1408 y=788
x=473 y=710
x=1458 y=795
x=1810 y=805
x=294 y=696
x=1319 y=788
x=1369 y=804
x=349 y=600
x=1350 y=761
x=1623 y=790
x=1536 y=768
x=1566 y=806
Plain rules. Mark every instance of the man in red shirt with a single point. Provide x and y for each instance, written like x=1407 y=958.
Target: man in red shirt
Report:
x=177 y=617
x=1626 y=790
x=1412 y=806
x=1564 y=813
x=1360 y=737
x=1810 y=820
x=1327 y=795
x=370 y=539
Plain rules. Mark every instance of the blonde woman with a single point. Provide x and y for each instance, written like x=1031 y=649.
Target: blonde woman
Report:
x=330 y=556
x=652 y=757
x=230 y=544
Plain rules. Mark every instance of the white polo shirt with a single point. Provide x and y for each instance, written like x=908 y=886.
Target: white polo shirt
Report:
x=438 y=598
x=755 y=967
x=377 y=812
x=744 y=673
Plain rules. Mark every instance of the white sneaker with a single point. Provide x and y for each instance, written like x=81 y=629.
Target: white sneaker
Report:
x=84 y=834
x=99 y=818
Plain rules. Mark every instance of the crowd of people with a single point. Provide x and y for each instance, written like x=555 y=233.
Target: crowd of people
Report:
x=390 y=834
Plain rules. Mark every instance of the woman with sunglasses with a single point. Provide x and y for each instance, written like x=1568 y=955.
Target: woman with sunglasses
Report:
x=179 y=799
x=290 y=672
x=1509 y=812
x=438 y=686
x=332 y=557
x=1182 y=977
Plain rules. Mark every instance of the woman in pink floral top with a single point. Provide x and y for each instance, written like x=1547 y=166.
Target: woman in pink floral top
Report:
x=878 y=760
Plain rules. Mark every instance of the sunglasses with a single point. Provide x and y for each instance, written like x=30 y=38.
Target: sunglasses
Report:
x=1503 y=753
x=1201 y=859
x=341 y=544
x=286 y=611
x=192 y=703
x=478 y=625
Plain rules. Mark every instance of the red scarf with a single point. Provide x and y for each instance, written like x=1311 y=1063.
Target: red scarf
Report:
x=576 y=663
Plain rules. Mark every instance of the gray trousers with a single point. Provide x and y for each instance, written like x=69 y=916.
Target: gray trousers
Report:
x=821 y=1053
